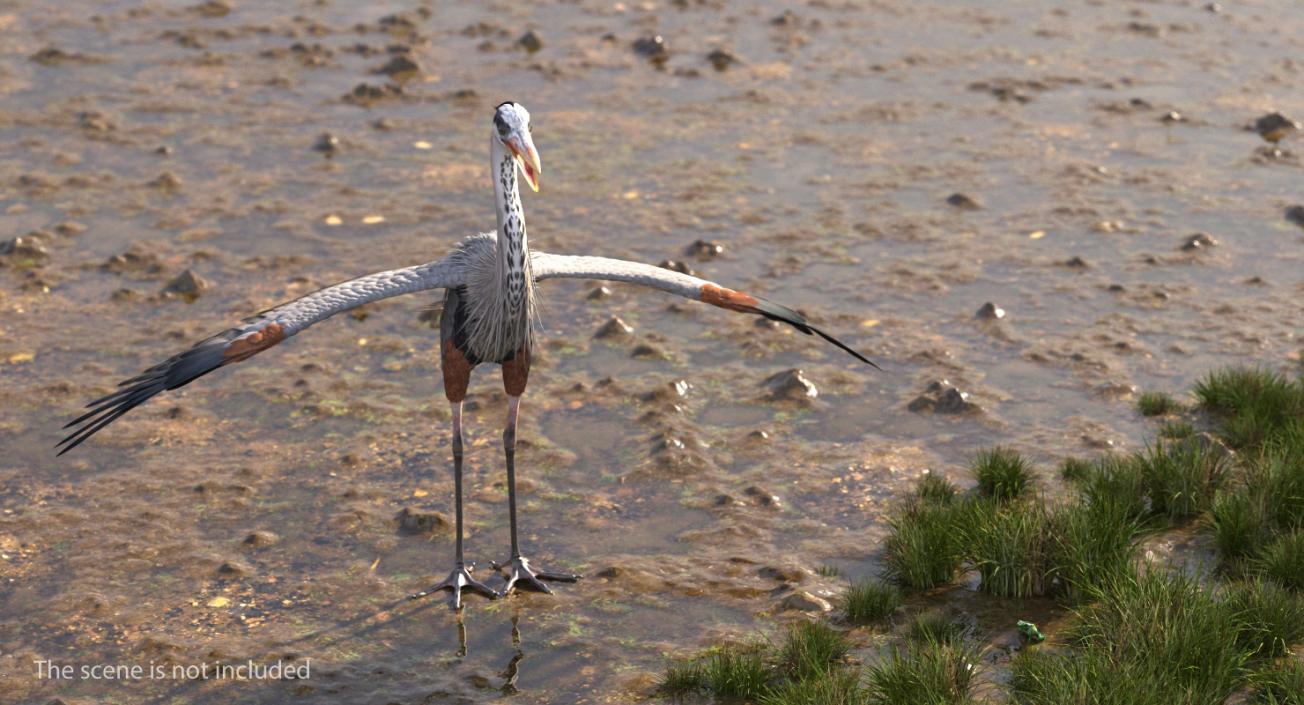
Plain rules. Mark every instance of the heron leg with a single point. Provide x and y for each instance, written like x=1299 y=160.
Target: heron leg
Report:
x=460 y=577
x=519 y=572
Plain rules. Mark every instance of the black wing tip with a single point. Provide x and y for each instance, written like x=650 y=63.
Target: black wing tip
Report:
x=775 y=312
x=131 y=393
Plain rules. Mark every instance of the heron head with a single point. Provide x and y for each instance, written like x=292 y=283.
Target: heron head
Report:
x=512 y=128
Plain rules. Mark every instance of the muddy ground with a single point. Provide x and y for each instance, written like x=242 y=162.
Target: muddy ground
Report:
x=253 y=515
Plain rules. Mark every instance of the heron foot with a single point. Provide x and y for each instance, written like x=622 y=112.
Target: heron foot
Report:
x=521 y=576
x=457 y=580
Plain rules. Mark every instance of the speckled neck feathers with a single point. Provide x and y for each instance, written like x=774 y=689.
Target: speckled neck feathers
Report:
x=500 y=288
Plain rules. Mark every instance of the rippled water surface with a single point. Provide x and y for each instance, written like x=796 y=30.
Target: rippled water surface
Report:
x=142 y=139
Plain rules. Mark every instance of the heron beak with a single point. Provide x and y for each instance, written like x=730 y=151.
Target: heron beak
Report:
x=527 y=158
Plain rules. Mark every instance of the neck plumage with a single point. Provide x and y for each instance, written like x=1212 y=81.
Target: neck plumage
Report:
x=513 y=277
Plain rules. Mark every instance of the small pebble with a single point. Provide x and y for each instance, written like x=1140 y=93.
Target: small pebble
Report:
x=989 y=312
x=1199 y=241
x=327 y=144
x=653 y=47
x=1274 y=127
x=721 y=59
x=614 y=328
x=530 y=41
x=964 y=202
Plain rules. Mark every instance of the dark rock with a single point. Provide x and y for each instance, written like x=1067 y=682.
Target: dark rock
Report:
x=787 y=19
x=163 y=150
x=399 y=67
x=676 y=266
x=964 y=202
x=803 y=601
x=530 y=41
x=260 y=539
x=1295 y=214
x=653 y=47
x=233 y=569
x=52 y=56
x=94 y=122
x=669 y=392
x=213 y=8
x=167 y=181
x=186 y=285
x=989 y=312
x=763 y=497
x=1199 y=241
x=366 y=93
x=940 y=397
x=1274 y=127
x=133 y=261
x=646 y=351
x=24 y=248
x=705 y=249
x=783 y=574
x=70 y=228
x=599 y=293
x=327 y=144
x=721 y=59
x=1173 y=116
x=420 y=521
x=613 y=328
x=791 y=385
x=1077 y=262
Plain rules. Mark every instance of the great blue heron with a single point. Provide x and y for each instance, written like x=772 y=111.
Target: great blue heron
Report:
x=488 y=317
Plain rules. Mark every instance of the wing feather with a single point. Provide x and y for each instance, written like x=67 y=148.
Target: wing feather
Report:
x=256 y=334
x=547 y=266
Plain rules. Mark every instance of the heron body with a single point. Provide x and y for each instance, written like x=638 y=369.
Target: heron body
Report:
x=489 y=308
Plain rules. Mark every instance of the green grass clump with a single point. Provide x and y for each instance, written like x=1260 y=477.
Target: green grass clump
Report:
x=1001 y=472
x=1270 y=618
x=935 y=488
x=1239 y=523
x=924 y=547
x=1091 y=545
x=1008 y=545
x=1075 y=469
x=925 y=672
x=1181 y=477
x=1283 y=685
x=1091 y=677
x=682 y=678
x=835 y=687
x=1116 y=486
x=1283 y=560
x=811 y=649
x=736 y=673
x=869 y=601
x=730 y=673
x=1177 y=429
x=1166 y=628
x=936 y=626
x=1157 y=404
x=1253 y=404
x=1280 y=471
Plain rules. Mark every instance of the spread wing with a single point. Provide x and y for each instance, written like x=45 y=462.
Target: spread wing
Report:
x=256 y=334
x=546 y=266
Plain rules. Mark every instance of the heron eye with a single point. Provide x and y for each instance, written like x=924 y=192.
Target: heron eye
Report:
x=502 y=126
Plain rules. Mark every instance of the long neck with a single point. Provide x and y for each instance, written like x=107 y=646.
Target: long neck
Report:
x=513 y=251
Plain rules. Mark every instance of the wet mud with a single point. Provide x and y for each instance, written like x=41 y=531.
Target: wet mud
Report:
x=889 y=168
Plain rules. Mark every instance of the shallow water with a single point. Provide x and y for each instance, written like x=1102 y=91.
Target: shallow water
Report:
x=821 y=161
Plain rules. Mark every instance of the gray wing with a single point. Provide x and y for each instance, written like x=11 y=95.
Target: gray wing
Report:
x=258 y=333
x=546 y=266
